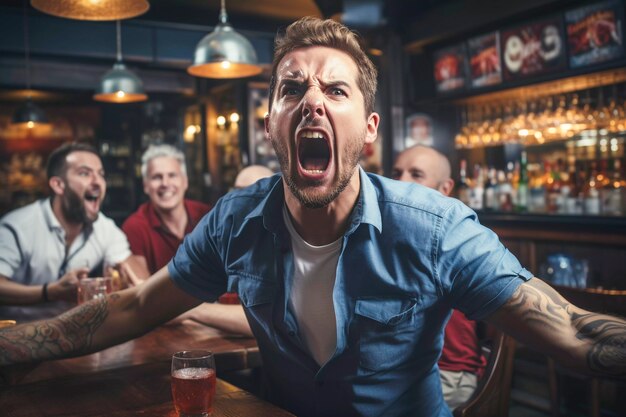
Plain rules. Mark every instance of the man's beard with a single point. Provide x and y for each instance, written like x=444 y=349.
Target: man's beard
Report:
x=315 y=200
x=74 y=208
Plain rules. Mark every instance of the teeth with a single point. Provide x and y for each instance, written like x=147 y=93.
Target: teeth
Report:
x=312 y=135
x=314 y=171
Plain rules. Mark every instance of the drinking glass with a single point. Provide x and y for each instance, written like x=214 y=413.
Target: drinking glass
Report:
x=92 y=288
x=193 y=383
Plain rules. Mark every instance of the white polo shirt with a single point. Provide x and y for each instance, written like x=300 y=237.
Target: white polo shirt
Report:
x=32 y=252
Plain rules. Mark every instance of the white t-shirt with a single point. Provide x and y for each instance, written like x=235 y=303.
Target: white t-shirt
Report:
x=32 y=252
x=311 y=297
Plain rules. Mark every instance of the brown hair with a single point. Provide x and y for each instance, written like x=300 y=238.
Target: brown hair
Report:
x=57 y=165
x=311 y=31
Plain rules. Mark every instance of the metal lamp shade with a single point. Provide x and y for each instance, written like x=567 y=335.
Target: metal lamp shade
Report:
x=29 y=115
x=120 y=85
x=224 y=53
x=92 y=10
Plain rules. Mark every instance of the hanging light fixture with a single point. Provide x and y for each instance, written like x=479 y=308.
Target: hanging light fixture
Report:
x=28 y=114
x=120 y=85
x=92 y=9
x=224 y=53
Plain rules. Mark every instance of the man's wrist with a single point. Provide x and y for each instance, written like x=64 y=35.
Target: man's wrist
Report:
x=44 y=293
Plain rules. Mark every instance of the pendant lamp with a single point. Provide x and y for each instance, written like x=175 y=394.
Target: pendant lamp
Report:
x=92 y=9
x=224 y=53
x=120 y=85
x=28 y=114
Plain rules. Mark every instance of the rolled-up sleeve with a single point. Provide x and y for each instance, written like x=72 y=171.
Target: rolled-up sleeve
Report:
x=478 y=273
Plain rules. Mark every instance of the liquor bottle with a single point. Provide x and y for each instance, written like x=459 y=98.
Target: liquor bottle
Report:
x=522 y=185
x=491 y=197
x=592 y=206
x=614 y=192
x=536 y=192
x=463 y=189
x=505 y=192
x=554 y=196
x=478 y=190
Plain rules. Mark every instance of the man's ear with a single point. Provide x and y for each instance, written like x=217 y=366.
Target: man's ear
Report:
x=372 y=127
x=266 y=125
x=57 y=185
x=446 y=187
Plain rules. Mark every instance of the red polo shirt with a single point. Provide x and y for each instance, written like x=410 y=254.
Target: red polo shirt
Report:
x=150 y=238
x=461 y=351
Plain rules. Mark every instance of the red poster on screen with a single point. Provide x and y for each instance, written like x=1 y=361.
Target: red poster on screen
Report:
x=450 y=68
x=594 y=33
x=484 y=59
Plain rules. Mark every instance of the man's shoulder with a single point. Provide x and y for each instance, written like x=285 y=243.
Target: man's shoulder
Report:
x=197 y=207
x=393 y=194
x=104 y=224
x=138 y=218
x=25 y=217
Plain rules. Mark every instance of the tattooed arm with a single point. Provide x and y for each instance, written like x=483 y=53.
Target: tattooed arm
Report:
x=590 y=342
x=98 y=324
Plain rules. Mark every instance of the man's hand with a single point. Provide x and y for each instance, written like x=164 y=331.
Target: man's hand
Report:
x=65 y=289
x=133 y=271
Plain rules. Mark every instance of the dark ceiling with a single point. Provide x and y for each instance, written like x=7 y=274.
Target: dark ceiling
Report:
x=418 y=22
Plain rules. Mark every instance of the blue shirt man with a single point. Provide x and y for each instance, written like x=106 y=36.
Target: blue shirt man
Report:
x=390 y=306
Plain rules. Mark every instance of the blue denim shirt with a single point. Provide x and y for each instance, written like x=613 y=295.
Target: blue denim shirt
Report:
x=408 y=256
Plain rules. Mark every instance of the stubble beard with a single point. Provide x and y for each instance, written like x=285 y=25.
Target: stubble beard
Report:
x=312 y=199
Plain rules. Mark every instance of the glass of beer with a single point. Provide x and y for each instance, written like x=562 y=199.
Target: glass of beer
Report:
x=193 y=382
x=92 y=288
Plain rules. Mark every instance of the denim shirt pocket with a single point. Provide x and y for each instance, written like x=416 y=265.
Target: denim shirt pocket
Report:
x=388 y=329
x=254 y=291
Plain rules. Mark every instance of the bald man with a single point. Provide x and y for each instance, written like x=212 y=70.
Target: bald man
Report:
x=461 y=361
x=251 y=174
x=425 y=166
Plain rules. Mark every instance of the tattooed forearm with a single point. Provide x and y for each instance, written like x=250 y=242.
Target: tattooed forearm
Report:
x=588 y=341
x=537 y=306
x=607 y=354
x=69 y=334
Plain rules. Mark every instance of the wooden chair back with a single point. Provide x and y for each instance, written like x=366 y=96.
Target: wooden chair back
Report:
x=598 y=301
x=492 y=395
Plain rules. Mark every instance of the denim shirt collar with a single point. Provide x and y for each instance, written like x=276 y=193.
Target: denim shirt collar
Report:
x=366 y=210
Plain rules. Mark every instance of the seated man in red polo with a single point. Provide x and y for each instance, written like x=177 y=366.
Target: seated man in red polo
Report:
x=461 y=361
x=158 y=226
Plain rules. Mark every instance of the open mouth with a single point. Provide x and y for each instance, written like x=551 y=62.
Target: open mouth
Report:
x=313 y=152
x=92 y=197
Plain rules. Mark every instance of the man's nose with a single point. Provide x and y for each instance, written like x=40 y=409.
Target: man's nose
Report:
x=313 y=103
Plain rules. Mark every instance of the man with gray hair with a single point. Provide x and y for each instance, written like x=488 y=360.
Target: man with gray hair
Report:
x=158 y=226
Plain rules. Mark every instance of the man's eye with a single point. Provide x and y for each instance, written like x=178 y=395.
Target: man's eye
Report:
x=291 y=91
x=337 y=92
x=395 y=174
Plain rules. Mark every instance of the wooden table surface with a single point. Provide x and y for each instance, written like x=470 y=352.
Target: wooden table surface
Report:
x=142 y=390
x=232 y=352
x=131 y=379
